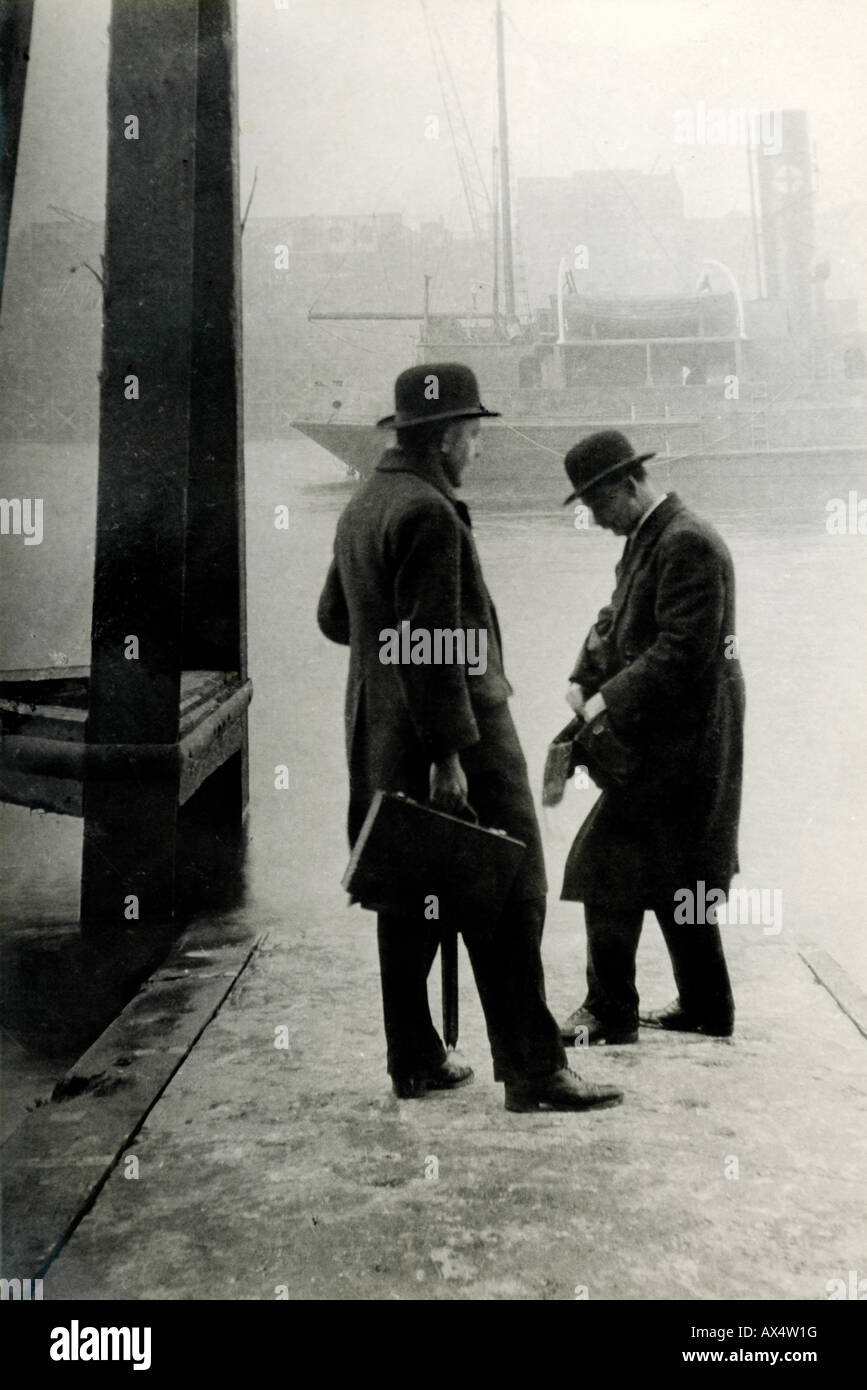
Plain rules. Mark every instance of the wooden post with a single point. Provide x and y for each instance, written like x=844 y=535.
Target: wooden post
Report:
x=16 y=19
x=214 y=633
x=137 y=626
x=169 y=584
x=215 y=620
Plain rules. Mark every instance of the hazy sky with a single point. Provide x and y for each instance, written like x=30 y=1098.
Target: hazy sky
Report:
x=335 y=95
x=335 y=92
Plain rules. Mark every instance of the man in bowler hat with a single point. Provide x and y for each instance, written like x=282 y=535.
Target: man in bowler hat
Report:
x=404 y=551
x=659 y=667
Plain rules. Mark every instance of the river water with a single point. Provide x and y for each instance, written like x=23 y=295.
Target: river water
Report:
x=801 y=629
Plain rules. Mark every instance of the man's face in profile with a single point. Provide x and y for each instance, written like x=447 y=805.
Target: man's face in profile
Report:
x=461 y=446
x=613 y=505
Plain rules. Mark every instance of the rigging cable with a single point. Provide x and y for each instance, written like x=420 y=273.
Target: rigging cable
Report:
x=457 y=126
x=356 y=347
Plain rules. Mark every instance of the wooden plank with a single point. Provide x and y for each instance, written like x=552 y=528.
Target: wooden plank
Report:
x=60 y=685
x=36 y=691
x=46 y=745
x=56 y=1162
x=43 y=721
x=841 y=987
x=211 y=742
x=199 y=685
x=40 y=792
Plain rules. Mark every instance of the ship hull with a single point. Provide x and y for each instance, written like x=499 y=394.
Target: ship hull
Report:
x=522 y=465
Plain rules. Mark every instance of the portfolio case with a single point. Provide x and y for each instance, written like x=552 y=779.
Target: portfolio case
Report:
x=407 y=852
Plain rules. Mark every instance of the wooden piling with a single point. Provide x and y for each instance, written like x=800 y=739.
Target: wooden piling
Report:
x=16 y=19
x=169 y=578
x=215 y=620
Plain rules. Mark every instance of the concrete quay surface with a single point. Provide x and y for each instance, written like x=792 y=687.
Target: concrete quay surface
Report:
x=276 y=1163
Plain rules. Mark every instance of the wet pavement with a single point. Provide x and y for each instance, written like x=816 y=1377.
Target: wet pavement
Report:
x=276 y=1162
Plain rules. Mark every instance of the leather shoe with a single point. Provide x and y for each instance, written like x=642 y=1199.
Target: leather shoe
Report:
x=677 y=1020
x=579 y=1018
x=561 y=1090
x=596 y=1030
x=445 y=1077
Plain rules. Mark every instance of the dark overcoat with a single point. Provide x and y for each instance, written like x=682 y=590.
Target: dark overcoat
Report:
x=404 y=551
x=664 y=655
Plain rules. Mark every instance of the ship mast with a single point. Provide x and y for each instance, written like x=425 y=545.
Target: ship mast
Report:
x=495 y=231
x=505 y=190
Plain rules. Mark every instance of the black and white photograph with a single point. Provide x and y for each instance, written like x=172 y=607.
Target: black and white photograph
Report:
x=433 y=813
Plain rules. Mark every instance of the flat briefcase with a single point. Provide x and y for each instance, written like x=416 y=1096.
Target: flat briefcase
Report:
x=407 y=853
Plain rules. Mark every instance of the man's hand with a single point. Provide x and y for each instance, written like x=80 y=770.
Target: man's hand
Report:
x=575 y=698
x=586 y=709
x=595 y=705
x=448 y=784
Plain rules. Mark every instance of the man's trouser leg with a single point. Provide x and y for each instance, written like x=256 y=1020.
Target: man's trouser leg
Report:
x=524 y=1037
x=612 y=943
x=699 y=967
x=594 y=1001
x=407 y=947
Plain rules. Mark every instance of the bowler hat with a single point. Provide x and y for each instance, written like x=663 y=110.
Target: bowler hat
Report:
x=434 y=391
x=597 y=457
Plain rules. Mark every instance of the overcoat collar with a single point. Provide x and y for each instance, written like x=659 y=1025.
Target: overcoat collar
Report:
x=647 y=535
x=653 y=527
x=395 y=461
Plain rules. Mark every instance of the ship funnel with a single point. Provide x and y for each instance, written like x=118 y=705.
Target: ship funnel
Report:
x=788 y=227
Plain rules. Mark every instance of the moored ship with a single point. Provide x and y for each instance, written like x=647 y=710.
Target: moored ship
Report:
x=720 y=407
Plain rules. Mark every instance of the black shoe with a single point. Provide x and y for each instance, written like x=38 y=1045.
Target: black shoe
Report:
x=561 y=1090
x=677 y=1020
x=579 y=1018
x=583 y=1029
x=414 y=1085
